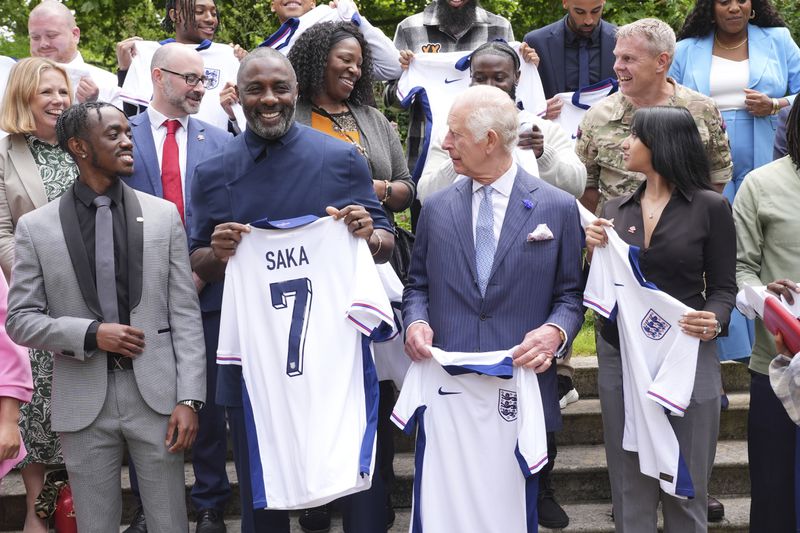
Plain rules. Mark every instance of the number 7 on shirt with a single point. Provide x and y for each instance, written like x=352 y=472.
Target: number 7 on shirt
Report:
x=300 y=290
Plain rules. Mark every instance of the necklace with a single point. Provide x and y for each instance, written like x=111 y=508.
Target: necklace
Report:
x=657 y=208
x=716 y=39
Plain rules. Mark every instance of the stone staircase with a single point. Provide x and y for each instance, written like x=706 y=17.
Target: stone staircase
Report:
x=580 y=477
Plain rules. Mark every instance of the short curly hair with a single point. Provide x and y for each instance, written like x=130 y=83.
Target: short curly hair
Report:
x=309 y=57
x=700 y=21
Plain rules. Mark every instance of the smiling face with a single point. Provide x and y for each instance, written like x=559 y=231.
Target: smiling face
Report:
x=584 y=15
x=172 y=95
x=639 y=71
x=108 y=145
x=342 y=70
x=497 y=70
x=52 y=35
x=268 y=93
x=51 y=98
x=731 y=16
x=204 y=26
x=286 y=9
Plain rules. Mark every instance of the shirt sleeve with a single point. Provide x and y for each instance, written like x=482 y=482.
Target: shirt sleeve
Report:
x=228 y=348
x=409 y=406
x=586 y=149
x=749 y=233
x=599 y=294
x=531 y=430
x=674 y=382
x=370 y=310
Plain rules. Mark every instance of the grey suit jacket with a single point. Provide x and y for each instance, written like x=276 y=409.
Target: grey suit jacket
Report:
x=21 y=191
x=53 y=300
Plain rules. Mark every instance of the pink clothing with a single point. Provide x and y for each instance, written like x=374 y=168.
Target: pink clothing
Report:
x=16 y=380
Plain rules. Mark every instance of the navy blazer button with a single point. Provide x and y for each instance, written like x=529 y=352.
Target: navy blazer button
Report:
x=483 y=316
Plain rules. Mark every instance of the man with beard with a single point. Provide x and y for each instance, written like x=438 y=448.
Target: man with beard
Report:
x=443 y=26
x=266 y=173
x=576 y=51
x=167 y=145
x=102 y=280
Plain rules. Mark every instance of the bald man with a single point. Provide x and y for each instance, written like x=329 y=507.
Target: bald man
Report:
x=55 y=35
x=177 y=73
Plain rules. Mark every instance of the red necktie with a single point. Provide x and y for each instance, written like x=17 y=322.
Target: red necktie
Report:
x=171 y=168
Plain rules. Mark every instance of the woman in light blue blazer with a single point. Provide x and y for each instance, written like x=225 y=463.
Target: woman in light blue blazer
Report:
x=740 y=53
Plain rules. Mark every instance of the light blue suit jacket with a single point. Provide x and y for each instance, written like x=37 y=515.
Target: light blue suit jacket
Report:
x=202 y=141
x=774 y=71
x=531 y=283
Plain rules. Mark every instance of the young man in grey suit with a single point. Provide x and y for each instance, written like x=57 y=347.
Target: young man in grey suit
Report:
x=497 y=260
x=102 y=279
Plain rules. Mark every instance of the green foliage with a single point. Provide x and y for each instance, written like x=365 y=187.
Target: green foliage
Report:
x=105 y=22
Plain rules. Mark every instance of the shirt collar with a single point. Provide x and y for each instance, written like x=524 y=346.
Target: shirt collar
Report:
x=503 y=184
x=636 y=196
x=157 y=118
x=572 y=39
x=86 y=195
x=205 y=43
x=77 y=61
x=257 y=145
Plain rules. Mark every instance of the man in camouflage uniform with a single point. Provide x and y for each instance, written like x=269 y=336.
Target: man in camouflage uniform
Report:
x=643 y=52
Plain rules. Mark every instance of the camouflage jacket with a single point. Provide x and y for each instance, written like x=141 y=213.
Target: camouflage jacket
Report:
x=608 y=123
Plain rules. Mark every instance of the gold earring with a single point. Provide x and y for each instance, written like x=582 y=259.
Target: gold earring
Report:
x=752 y=14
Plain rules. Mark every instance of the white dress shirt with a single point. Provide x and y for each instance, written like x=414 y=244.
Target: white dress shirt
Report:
x=106 y=82
x=160 y=133
x=501 y=190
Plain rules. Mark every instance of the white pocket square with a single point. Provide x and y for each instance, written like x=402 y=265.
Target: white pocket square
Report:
x=541 y=233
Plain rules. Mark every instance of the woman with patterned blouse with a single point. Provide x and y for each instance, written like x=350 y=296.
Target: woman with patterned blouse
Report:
x=33 y=171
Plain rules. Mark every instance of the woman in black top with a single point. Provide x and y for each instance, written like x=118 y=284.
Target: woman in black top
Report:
x=687 y=244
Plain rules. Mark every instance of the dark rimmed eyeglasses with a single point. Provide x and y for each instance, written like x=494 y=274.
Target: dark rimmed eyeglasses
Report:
x=191 y=79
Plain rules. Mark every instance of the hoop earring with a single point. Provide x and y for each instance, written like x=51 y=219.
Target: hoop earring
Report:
x=752 y=14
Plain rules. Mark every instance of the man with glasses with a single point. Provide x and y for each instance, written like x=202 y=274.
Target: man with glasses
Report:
x=168 y=144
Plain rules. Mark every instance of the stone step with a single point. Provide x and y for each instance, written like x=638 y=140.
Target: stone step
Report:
x=735 y=376
x=584 y=518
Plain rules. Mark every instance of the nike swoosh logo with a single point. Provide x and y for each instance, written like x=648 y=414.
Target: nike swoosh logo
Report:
x=452 y=81
x=574 y=137
x=445 y=393
x=619 y=285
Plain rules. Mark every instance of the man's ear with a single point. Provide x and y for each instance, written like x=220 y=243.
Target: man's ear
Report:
x=77 y=147
x=492 y=141
x=663 y=61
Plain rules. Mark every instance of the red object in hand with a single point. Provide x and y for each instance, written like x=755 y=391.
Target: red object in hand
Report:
x=777 y=318
x=65 y=512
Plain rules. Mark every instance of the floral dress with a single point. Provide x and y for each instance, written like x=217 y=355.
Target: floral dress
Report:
x=58 y=171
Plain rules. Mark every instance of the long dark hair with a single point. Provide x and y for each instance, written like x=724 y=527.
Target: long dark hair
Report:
x=678 y=153
x=309 y=57
x=793 y=134
x=700 y=20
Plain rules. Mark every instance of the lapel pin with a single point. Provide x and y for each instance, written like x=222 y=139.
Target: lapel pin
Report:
x=632 y=229
x=201 y=137
x=527 y=203
x=139 y=219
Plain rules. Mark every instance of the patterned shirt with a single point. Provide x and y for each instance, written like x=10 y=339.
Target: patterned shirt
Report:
x=784 y=376
x=608 y=123
x=421 y=33
x=56 y=167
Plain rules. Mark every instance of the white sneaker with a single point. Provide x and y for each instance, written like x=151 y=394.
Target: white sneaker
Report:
x=570 y=397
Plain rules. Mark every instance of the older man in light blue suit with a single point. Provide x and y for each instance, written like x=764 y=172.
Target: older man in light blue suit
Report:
x=499 y=273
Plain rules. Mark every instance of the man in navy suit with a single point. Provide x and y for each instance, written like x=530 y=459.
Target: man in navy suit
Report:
x=497 y=258
x=165 y=158
x=574 y=52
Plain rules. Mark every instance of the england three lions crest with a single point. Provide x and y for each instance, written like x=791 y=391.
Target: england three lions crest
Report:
x=654 y=326
x=507 y=405
x=213 y=78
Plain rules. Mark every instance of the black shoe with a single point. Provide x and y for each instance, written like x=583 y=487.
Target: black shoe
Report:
x=316 y=520
x=210 y=521
x=138 y=525
x=550 y=513
x=716 y=511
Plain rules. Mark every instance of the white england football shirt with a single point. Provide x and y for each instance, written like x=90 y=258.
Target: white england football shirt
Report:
x=220 y=66
x=578 y=103
x=391 y=360
x=385 y=56
x=480 y=436
x=436 y=79
x=659 y=360
x=298 y=308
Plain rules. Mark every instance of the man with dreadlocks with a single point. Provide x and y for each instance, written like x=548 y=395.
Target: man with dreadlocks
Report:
x=102 y=280
x=194 y=24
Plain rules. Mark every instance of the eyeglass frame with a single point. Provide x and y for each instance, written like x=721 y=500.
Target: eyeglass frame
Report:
x=204 y=79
